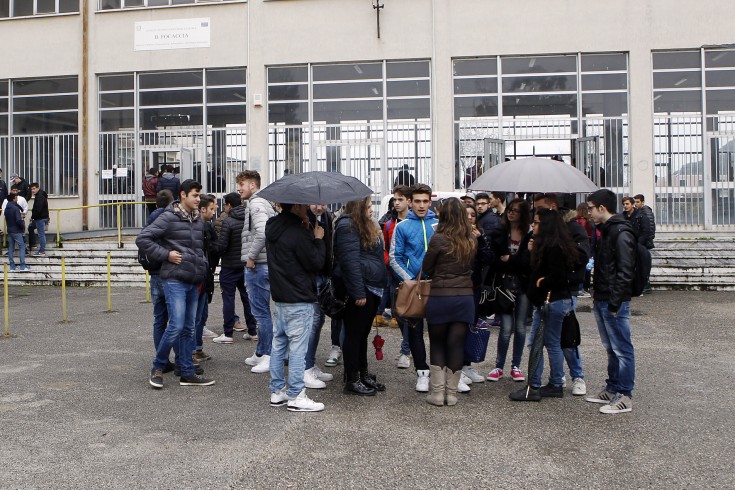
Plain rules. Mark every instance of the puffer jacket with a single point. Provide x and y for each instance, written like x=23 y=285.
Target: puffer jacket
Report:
x=294 y=259
x=449 y=277
x=176 y=230
x=410 y=243
x=644 y=226
x=171 y=182
x=151 y=218
x=229 y=241
x=614 y=263
x=257 y=213
x=13 y=218
x=355 y=266
x=218 y=223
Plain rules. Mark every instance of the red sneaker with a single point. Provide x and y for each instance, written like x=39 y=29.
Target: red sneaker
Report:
x=495 y=374
x=516 y=374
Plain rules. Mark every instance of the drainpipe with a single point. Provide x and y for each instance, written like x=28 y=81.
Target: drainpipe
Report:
x=84 y=133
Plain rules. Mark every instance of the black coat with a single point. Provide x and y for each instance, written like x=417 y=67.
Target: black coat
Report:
x=355 y=266
x=519 y=263
x=328 y=226
x=614 y=262
x=40 y=206
x=172 y=231
x=644 y=225
x=555 y=273
x=229 y=243
x=294 y=259
x=24 y=189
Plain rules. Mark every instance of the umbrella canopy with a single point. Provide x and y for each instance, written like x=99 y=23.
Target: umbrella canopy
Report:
x=315 y=188
x=534 y=175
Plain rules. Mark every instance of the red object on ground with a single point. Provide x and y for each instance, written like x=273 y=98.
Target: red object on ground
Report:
x=378 y=343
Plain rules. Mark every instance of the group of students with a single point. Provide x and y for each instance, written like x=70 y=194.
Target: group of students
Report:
x=15 y=210
x=290 y=251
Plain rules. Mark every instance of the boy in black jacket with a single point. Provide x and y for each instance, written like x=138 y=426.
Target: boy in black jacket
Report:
x=39 y=219
x=207 y=210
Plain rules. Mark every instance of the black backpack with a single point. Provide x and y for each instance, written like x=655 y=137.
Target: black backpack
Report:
x=147 y=263
x=642 y=267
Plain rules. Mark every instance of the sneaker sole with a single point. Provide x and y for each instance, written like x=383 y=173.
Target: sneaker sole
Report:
x=315 y=387
x=189 y=383
x=157 y=386
x=518 y=379
x=493 y=379
x=298 y=409
x=223 y=342
x=330 y=364
x=279 y=404
x=615 y=410
x=582 y=393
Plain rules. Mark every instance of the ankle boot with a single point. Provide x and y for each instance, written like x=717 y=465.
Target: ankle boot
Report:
x=371 y=381
x=355 y=386
x=436 y=386
x=452 y=378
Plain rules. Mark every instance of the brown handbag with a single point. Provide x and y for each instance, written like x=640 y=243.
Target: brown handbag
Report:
x=411 y=297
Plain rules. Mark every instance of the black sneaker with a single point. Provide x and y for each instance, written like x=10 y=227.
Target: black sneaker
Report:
x=194 y=380
x=551 y=391
x=198 y=370
x=156 y=379
x=169 y=367
x=527 y=394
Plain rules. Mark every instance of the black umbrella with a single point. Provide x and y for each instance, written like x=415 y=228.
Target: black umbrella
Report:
x=315 y=188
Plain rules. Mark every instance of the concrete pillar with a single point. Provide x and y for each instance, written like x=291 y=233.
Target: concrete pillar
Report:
x=641 y=124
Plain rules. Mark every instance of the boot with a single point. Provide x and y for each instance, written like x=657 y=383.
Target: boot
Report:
x=452 y=382
x=354 y=386
x=436 y=381
x=371 y=381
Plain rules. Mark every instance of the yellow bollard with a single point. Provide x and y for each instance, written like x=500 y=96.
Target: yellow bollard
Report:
x=63 y=289
x=109 y=284
x=58 y=228
x=147 y=287
x=119 y=227
x=5 y=293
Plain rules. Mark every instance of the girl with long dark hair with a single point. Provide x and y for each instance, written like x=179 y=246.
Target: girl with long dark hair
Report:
x=450 y=308
x=553 y=256
x=360 y=272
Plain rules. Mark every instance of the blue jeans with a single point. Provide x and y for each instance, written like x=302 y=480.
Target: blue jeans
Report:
x=290 y=339
x=14 y=238
x=181 y=302
x=614 y=331
x=316 y=328
x=572 y=355
x=201 y=321
x=555 y=313
x=259 y=294
x=160 y=312
x=40 y=225
x=513 y=324
x=232 y=280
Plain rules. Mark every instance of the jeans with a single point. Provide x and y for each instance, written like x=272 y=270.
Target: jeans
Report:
x=614 y=331
x=259 y=294
x=14 y=238
x=160 y=312
x=513 y=324
x=316 y=327
x=555 y=313
x=290 y=339
x=417 y=347
x=201 y=320
x=40 y=225
x=181 y=302
x=572 y=355
x=230 y=281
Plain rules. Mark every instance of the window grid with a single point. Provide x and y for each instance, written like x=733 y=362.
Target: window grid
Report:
x=104 y=5
x=15 y=9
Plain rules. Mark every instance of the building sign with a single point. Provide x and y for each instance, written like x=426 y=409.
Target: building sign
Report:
x=172 y=34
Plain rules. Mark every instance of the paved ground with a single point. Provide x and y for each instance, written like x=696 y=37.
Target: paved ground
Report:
x=76 y=411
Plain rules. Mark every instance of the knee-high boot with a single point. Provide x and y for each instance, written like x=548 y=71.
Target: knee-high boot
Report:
x=452 y=378
x=436 y=381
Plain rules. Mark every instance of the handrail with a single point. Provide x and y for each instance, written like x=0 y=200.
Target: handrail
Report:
x=119 y=217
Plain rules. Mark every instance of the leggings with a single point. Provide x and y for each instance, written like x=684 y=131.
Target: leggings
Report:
x=446 y=347
x=358 y=321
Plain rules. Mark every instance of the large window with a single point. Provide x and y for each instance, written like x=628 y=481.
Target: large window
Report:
x=39 y=131
x=124 y=4
x=27 y=8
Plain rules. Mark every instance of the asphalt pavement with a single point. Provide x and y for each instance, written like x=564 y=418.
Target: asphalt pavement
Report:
x=76 y=411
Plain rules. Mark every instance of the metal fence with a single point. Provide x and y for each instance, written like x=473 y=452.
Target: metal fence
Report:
x=50 y=159
x=380 y=155
x=213 y=158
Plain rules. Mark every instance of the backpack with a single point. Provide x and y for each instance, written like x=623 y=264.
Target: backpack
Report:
x=570 y=334
x=146 y=263
x=641 y=268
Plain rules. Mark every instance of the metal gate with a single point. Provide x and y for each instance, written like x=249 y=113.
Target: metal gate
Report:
x=362 y=159
x=721 y=177
x=494 y=154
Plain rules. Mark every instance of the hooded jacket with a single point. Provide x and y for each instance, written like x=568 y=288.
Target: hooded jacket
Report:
x=614 y=262
x=294 y=258
x=40 y=206
x=410 y=243
x=257 y=213
x=13 y=218
x=183 y=232
x=171 y=182
x=356 y=266
x=229 y=241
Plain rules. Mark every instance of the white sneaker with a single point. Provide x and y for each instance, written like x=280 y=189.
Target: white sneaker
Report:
x=462 y=387
x=303 y=403
x=222 y=339
x=334 y=355
x=264 y=366
x=311 y=381
x=253 y=360
x=279 y=398
x=247 y=336
x=564 y=382
x=463 y=378
x=208 y=333
x=321 y=375
x=472 y=373
x=422 y=383
x=579 y=387
x=404 y=362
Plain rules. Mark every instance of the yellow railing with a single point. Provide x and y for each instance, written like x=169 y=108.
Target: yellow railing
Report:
x=119 y=217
